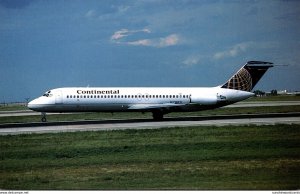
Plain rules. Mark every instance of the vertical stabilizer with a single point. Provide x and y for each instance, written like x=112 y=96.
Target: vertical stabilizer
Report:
x=248 y=76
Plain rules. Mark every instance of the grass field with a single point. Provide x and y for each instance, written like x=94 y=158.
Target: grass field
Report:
x=244 y=157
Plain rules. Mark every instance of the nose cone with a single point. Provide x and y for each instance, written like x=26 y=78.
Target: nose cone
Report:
x=42 y=104
x=33 y=105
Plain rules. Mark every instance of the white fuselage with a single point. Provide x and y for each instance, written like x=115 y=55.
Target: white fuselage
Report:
x=140 y=99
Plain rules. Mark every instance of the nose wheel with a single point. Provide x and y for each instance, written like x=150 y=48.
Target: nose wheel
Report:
x=44 y=119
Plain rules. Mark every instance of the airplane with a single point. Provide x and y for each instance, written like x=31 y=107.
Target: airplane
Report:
x=158 y=100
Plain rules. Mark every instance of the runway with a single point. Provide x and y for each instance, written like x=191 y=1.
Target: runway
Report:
x=221 y=120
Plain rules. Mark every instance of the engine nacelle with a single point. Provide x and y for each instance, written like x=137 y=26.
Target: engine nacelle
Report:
x=204 y=100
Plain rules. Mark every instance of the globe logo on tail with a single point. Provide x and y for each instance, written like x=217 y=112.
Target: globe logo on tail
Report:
x=241 y=81
x=248 y=76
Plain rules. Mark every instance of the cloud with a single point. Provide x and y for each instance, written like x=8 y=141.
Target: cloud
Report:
x=90 y=14
x=192 y=60
x=119 y=36
x=123 y=8
x=170 y=40
x=233 y=51
x=144 y=42
x=107 y=12
x=125 y=32
x=245 y=46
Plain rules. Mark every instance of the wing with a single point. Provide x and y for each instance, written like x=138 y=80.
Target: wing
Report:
x=154 y=106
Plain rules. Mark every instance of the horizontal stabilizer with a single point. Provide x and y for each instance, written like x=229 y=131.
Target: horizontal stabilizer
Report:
x=258 y=63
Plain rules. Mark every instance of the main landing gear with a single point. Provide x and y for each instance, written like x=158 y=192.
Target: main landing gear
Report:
x=158 y=115
x=44 y=119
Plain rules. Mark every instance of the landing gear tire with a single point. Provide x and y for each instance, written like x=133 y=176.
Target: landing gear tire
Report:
x=158 y=116
x=44 y=119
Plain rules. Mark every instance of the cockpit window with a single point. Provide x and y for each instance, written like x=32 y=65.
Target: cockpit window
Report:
x=47 y=94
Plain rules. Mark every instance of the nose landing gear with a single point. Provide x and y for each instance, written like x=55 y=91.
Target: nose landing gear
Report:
x=44 y=119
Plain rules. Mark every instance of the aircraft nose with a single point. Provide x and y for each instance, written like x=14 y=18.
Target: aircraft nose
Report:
x=30 y=105
x=33 y=105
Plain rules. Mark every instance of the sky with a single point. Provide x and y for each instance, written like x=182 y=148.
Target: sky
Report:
x=156 y=43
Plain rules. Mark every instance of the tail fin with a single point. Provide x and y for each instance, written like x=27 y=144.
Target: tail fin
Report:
x=248 y=76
